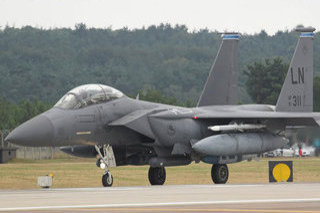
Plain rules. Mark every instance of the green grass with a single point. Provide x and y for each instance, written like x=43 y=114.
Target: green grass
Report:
x=80 y=172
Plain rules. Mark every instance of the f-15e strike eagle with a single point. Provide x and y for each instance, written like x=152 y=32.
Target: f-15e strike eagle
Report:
x=95 y=119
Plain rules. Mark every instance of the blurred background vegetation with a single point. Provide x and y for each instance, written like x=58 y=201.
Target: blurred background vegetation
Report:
x=164 y=63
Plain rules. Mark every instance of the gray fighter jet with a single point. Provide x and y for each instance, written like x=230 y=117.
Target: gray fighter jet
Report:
x=95 y=119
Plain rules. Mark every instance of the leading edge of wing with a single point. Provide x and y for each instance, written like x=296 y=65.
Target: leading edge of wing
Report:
x=299 y=118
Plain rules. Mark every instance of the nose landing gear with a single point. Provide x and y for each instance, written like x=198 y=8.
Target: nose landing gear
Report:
x=102 y=162
x=107 y=179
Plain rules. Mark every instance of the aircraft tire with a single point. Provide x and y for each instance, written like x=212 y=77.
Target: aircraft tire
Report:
x=107 y=179
x=157 y=175
x=219 y=173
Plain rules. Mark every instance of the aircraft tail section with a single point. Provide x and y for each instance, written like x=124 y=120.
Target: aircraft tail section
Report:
x=297 y=91
x=221 y=87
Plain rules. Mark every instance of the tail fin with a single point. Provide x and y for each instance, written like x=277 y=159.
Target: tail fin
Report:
x=222 y=84
x=297 y=91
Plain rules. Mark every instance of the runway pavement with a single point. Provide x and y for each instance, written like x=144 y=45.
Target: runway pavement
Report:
x=282 y=197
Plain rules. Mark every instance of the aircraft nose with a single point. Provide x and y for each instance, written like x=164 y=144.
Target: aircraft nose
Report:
x=38 y=131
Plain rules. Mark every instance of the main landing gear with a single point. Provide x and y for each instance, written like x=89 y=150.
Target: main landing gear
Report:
x=157 y=175
x=219 y=173
x=107 y=179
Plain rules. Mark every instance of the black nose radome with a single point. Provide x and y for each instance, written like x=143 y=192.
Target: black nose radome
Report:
x=38 y=131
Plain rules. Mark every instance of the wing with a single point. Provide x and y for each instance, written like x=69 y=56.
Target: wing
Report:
x=234 y=113
x=289 y=118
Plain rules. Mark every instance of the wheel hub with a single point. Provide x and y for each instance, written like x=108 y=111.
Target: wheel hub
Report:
x=223 y=173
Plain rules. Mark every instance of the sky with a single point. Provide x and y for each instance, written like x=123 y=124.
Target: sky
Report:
x=244 y=16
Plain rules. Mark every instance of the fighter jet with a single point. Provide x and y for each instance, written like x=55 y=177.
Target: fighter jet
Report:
x=95 y=119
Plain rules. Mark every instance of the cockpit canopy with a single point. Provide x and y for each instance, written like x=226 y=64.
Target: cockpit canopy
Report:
x=86 y=95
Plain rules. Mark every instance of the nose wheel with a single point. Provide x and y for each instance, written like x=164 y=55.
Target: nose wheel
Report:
x=107 y=178
x=219 y=173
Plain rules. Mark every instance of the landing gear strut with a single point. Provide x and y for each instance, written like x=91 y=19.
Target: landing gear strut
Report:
x=107 y=179
x=157 y=175
x=219 y=173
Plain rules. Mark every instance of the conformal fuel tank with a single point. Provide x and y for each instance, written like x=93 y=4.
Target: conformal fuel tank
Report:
x=239 y=144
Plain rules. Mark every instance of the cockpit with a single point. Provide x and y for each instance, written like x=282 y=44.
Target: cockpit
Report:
x=86 y=95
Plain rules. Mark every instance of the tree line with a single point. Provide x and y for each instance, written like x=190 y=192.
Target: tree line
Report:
x=164 y=63
x=13 y=114
x=44 y=64
x=263 y=83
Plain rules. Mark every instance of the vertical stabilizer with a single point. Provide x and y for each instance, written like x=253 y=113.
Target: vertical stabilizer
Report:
x=297 y=91
x=221 y=87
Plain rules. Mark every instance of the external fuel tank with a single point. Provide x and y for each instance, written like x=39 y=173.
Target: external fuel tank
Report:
x=239 y=144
